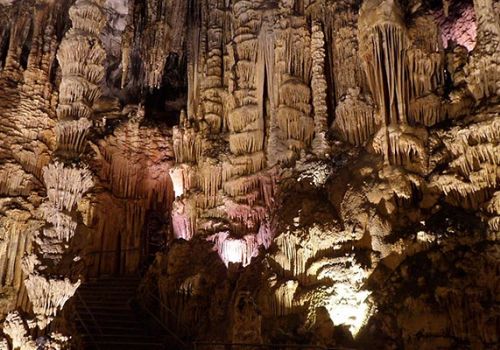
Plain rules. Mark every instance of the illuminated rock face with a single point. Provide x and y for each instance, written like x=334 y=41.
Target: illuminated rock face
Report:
x=287 y=171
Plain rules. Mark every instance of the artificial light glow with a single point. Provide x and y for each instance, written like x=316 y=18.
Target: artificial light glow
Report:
x=349 y=308
x=347 y=303
x=177 y=176
x=232 y=250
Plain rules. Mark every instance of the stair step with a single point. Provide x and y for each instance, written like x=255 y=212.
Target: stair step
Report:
x=103 y=307
x=117 y=330
x=106 y=312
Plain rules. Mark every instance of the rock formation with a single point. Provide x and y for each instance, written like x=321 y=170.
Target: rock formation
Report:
x=278 y=171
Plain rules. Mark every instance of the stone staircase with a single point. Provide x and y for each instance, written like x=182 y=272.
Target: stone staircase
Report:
x=107 y=319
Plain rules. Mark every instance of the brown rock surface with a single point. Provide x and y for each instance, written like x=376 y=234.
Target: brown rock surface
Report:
x=278 y=171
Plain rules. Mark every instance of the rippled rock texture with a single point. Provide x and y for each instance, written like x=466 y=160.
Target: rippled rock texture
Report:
x=280 y=171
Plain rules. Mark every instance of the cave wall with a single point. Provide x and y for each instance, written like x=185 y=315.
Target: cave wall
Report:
x=325 y=171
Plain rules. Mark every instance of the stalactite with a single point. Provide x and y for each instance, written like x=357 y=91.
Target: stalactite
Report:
x=474 y=164
x=184 y=214
x=425 y=72
x=319 y=89
x=342 y=31
x=483 y=69
x=386 y=74
x=183 y=179
x=233 y=250
x=15 y=328
x=18 y=34
x=406 y=145
x=493 y=210
x=284 y=295
x=187 y=145
x=71 y=136
x=245 y=164
x=355 y=118
x=158 y=31
x=66 y=185
x=16 y=236
x=427 y=110
x=48 y=296
x=63 y=224
x=383 y=46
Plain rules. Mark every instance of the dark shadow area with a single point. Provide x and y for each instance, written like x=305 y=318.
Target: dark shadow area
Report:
x=165 y=103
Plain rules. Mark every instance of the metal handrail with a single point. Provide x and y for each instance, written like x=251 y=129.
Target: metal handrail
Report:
x=92 y=317
x=164 y=326
x=87 y=330
x=162 y=304
x=159 y=321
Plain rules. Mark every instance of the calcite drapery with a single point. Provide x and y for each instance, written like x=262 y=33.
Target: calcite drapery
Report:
x=384 y=46
x=265 y=82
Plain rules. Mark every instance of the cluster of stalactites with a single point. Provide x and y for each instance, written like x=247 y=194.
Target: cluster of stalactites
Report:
x=71 y=136
x=235 y=250
x=355 y=119
x=475 y=163
x=155 y=29
x=81 y=58
x=66 y=185
x=493 y=212
x=48 y=296
x=403 y=145
x=18 y=331
x=293 y=59
x=483 y=68
x=425 y=62
x=384 y=47
x=65 y=188
x=188 y=144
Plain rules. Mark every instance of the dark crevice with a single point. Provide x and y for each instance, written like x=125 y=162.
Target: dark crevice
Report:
x=165 y=103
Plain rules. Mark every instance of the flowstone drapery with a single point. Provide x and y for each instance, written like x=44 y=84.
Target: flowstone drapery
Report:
x=315 y=172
